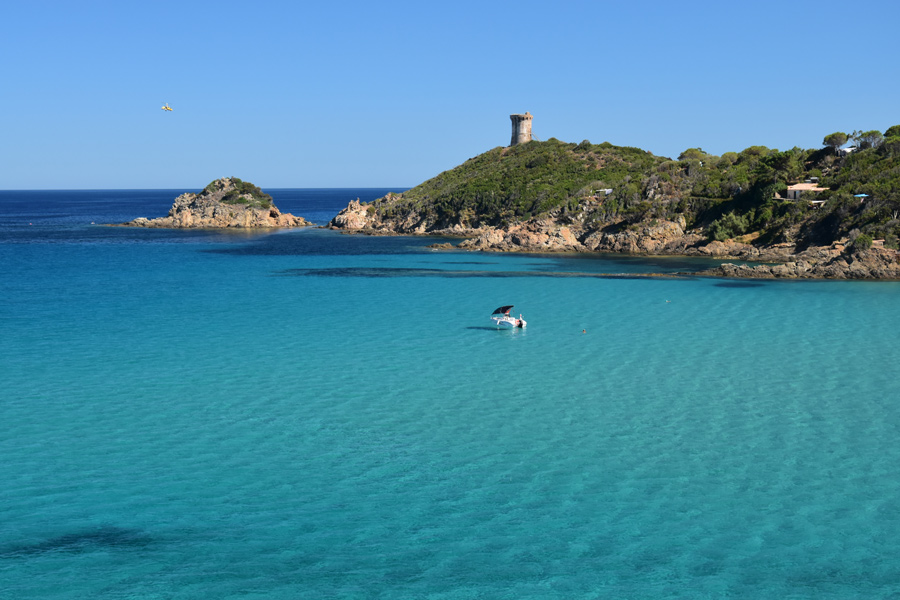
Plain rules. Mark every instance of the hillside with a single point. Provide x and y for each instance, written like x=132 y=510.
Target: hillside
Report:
x=509 y=185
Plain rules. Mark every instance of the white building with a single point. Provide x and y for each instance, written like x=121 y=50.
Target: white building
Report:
x=794 y=191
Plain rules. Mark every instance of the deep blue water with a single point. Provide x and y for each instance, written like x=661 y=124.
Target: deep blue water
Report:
x=306 y=414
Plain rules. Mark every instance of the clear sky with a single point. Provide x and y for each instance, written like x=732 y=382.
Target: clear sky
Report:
x=390 y=93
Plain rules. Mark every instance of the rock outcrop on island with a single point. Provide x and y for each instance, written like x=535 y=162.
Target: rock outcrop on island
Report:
x=225 y=203
x=557 y=197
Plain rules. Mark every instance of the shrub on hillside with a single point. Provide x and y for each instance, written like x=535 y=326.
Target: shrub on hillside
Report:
x=728 y=226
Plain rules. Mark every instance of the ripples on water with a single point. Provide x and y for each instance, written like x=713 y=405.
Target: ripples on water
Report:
x=313 y=415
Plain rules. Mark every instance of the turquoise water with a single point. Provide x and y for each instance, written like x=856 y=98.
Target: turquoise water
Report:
x=312 y=415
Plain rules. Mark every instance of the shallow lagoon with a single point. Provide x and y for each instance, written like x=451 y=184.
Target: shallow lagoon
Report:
x=310 y=414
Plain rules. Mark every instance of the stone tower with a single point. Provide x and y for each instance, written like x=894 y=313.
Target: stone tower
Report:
x=521 y=128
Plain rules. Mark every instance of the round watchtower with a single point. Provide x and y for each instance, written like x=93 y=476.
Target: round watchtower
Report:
x=521 y=128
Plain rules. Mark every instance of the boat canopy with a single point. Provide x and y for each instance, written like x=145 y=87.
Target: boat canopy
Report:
x=503 y=310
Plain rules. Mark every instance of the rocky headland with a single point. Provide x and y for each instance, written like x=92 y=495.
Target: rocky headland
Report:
x=225 y=203
x=557 y=197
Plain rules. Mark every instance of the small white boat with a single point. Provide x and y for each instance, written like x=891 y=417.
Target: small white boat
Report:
x=502 y=319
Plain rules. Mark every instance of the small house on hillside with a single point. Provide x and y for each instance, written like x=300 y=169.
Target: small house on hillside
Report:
x=794 y=191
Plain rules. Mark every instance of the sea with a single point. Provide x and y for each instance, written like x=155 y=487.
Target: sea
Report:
x=305 y=414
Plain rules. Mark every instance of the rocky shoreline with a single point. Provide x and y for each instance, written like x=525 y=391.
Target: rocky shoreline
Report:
x=820 y=263
x=220 y=206
x=660 y=238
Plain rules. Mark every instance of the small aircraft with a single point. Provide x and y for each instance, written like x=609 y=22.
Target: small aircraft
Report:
x=166 y=106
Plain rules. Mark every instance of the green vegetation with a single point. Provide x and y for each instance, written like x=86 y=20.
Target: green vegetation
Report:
x=721 y=196
x=511 y=184
x=875 y=172
x=728 y=227
x=835 y=140
x=243 y=192
x=862 y=241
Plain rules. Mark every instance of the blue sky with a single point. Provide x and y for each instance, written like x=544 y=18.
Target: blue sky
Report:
x=391 y=93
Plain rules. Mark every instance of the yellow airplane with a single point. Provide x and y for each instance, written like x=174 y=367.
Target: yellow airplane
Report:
x=166 y=106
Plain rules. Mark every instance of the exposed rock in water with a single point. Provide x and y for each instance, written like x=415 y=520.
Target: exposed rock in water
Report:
x=225 y=203
x=821 y=263
x=352 y=218
x=531 y=236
